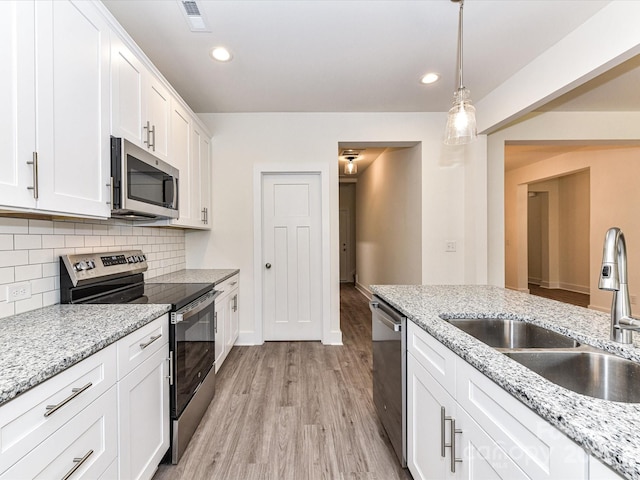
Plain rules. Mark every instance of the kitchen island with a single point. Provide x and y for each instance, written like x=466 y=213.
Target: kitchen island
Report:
x=609 y=431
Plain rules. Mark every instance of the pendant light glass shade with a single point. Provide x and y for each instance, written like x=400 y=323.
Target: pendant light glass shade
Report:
x=461 y=121
x=350 y=168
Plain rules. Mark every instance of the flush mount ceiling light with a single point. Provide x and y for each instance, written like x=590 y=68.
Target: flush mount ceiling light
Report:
x=429 y=78
x=350 y=168
x=461 y=121
x=220 y=54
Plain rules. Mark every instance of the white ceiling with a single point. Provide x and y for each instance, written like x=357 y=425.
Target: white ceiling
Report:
x=347 y=55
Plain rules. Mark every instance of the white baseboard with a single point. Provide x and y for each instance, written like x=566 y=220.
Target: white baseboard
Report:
x=535 y=281
x=575 y=288
x=364 y=291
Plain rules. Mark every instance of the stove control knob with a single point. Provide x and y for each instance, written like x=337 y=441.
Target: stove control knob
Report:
x=80 y=266
x=143 y=258
x=130 y=260
x=91 y=264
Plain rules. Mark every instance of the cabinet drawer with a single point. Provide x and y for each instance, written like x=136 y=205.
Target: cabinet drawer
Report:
x=536 y=446
x=136 y=347
x=23 y=423
x=437 y=359
x=91 y=435
x=227 y=286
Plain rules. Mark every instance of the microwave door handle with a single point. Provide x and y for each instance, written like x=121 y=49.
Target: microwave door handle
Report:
x=175 y=193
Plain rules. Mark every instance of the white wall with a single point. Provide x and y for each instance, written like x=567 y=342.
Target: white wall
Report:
x=453 y=192
x=547 y=127
x=30 y=251
x=389 y=249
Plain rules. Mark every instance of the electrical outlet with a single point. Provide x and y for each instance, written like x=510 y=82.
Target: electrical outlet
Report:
x=450 y=246
x=18 y=291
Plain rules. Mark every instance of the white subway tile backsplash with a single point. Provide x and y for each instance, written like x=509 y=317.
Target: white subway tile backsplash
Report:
x=27 y=242
x=28 y=272
x=6 y=242
x=44 y=255
x=11 y=258
x=14 y=225
x=41 y=227
x=30 y=251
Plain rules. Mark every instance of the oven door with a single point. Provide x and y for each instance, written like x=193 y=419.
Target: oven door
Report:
x=192 y=338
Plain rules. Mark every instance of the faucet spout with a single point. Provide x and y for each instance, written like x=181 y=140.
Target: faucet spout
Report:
x=613 y=277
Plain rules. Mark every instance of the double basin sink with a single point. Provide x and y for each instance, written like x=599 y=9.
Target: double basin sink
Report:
x=558 y=358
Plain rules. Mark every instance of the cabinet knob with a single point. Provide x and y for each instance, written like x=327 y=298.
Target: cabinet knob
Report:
x=268 y=266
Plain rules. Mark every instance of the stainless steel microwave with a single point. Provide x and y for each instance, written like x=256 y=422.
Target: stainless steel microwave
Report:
x=143 y=186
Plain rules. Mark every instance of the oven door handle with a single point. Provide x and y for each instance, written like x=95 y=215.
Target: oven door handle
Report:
x=194 y=307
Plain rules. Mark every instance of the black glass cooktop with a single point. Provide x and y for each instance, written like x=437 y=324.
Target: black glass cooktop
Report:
x=177 y=294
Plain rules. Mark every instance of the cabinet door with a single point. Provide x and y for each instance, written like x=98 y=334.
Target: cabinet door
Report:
x=482 y=458
x=181 y=158
x=425 y=401
x=158 y=115
x=17 y=116
x=143 y=398
x=72 y=91
x=231 y=329
x=205 y=178
x=127 y=87
x=221 y=314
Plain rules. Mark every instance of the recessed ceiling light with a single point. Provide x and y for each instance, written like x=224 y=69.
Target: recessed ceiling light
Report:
x=220 y=54
x=429 y=78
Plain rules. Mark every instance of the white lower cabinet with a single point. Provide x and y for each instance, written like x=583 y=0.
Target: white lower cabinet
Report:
x=143 y=397
x=227 y=318
x=496 y=437
x=106 y=417
x=83 y=448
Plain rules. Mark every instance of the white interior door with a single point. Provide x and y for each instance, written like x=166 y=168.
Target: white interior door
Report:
x=344 y=246
x=292 y=256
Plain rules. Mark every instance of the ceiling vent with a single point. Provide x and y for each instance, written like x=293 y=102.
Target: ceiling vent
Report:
x=351 y=152
x=196 y=20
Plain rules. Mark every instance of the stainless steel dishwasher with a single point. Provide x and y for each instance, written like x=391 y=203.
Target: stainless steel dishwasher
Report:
x=388 y=328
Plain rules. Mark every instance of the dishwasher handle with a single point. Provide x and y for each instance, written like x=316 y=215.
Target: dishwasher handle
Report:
x=385 y=318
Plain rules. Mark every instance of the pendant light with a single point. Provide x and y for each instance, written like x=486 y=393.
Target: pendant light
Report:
x=350 y=168
x=461 y=121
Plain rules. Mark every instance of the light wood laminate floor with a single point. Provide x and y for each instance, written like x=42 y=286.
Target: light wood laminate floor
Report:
x=294 y=410
x=565 y=296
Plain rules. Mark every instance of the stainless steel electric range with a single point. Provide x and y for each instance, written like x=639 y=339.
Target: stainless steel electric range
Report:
x=117 y=277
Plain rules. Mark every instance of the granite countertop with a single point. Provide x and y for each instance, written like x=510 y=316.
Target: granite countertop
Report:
x=37 y=345
x=214 y=276
x=610 y=431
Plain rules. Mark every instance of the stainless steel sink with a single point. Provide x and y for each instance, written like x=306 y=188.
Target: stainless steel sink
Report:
x=593 y=373
x=501 y=333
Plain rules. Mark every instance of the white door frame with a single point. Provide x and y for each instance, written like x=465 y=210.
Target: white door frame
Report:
x=259 y=170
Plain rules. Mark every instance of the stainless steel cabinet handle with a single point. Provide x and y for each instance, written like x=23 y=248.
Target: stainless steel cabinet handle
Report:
x=51 y=409
x=268 y=266
x=170 y=376
x=454 y=431
x=215 y=323
x=153 y=134
x=151 y=340
x=146 y=127
x=110 y=185
x=34 y=162
x=235 y=303
x=443 y=419
x=233 y=283
x=206 y=215
x=78 y=463
x=203 y=217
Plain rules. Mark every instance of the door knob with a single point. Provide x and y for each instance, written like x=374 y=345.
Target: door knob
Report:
x=268 y=265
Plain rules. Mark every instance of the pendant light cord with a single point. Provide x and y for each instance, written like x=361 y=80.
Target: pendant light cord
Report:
x=460 y=84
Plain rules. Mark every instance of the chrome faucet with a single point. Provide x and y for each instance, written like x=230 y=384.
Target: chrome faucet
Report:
x=613 y=276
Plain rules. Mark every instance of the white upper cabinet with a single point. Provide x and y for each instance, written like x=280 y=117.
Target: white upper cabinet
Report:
x=140 y=104
x=205 y=180
x=56 y=124
x=180 y=158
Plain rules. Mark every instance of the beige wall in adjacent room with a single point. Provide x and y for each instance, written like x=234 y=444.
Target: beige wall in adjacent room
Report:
x=611 y=175
x=388 y=247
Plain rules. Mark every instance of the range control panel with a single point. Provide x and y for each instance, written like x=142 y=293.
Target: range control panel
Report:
x=92 y=267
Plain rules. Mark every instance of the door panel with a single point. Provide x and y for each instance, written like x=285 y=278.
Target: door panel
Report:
x=292 y=272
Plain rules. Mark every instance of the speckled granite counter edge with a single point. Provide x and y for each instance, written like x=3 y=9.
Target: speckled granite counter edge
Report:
x=610 y=431
x=21 y=381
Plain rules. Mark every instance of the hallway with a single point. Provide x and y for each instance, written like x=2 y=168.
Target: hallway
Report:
x=294 y=410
